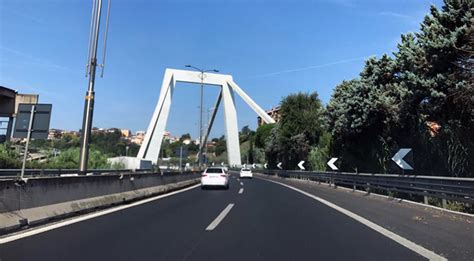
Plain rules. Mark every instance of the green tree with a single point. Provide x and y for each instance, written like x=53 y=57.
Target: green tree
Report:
x=362 y=114
x=8 y=157
x=262 y=134
x=447 y=87
x=250 y=153
x=185 y=136
x=69 y=159
x=245 y=134
x=299 y=129
x=273 y=148
x=421 y=98
x=221 y=146
x=319 y=155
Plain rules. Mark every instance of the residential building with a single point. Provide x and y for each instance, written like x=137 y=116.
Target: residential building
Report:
x=55 y=134
x=273 y=112
x=138 y=137
x=126 y=133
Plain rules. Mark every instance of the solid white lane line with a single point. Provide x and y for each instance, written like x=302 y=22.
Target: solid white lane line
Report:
x=399 y=239
x=219 y=218
x=241 y=190
x=241 y=183
x=71 y=221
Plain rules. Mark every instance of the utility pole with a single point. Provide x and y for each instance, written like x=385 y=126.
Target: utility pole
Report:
x=90 y=72
x=181 y=158
x=201 y=107
x=200 y=119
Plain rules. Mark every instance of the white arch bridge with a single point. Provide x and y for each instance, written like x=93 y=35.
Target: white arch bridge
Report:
x=151 y=145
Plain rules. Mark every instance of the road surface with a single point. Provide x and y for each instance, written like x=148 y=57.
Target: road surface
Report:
x=254 y=220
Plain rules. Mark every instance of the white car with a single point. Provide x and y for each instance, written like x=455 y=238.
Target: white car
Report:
x=215 y=177
x=246 y=173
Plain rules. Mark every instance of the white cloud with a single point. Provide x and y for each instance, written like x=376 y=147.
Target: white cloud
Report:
x=27 y=59
x=396 y=15
x=312 y=67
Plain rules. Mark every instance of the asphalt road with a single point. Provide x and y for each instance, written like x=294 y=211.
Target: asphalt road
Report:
x=267 y=221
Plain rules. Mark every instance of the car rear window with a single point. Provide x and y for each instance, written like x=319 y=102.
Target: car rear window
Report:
x=245 y=169
x=214 y=170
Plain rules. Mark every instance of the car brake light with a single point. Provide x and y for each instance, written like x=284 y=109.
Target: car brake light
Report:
x=223 y=175
x=204 y=175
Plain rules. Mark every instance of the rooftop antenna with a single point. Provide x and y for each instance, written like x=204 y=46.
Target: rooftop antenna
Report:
x=91 y=67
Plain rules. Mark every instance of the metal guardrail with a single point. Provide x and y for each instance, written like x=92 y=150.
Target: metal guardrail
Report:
x=12 y=173
x=445 y=188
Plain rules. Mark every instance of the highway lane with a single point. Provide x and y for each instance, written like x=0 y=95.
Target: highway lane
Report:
x=445 y=233
x=266 y=222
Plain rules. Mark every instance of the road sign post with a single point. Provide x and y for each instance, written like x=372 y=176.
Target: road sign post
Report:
x=32 y=121
x=25 y=153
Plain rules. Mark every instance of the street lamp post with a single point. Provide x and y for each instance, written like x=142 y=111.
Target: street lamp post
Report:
x=201 y=108
x=207 y=126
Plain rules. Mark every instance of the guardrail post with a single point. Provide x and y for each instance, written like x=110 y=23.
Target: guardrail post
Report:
x=353 y=187
x=444 y=203
x=425 y=199
x=367 y=189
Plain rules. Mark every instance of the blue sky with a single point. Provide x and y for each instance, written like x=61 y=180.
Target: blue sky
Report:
x=272 y=48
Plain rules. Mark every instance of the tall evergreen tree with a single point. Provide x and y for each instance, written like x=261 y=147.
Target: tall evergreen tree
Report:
x=423 y=99
x=443 y=85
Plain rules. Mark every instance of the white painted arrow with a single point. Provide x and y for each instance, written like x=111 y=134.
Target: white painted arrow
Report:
x=300 y=165
x=279 y=165
x=398 y=158
x=331 y=163
x=265 y=165
x=254 y=166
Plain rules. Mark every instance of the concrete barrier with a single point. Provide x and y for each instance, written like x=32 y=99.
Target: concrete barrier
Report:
x=43 y=199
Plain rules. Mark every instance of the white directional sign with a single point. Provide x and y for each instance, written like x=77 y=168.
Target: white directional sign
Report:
x=254 y=166
x=213 y=164
x=300 y=165
x=398 y=158
x=331 y=163
x=279 y=165
x=222 y=163
x=265 y=165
